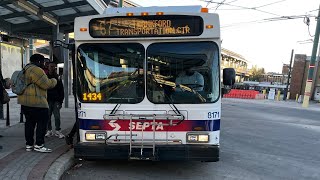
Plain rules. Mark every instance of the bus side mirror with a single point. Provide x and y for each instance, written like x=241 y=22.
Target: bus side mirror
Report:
x=229 y=76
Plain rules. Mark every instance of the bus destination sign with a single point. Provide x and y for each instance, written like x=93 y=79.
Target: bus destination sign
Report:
x=146 y=26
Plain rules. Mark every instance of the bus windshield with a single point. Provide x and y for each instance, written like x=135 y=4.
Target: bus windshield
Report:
x=114 y=71
x=183 y=72
x=177 y=72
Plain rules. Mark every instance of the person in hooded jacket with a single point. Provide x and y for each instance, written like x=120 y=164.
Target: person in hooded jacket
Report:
x=55 y=100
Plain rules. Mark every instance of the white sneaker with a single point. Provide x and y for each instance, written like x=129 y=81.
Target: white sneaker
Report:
x=59 y=134
x=29 y=148
x=49 y=133
x=42 y=149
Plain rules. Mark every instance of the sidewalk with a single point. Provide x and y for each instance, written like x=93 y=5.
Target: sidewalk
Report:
x=15 y=162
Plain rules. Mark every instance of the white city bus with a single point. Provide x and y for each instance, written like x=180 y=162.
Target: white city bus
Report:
x=148 y=84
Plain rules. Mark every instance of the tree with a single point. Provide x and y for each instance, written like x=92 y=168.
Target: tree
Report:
x=256 y=73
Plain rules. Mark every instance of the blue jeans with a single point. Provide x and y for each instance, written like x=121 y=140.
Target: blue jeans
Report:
x=54 y=108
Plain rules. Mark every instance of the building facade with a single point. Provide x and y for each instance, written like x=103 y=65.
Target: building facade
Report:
x=274 y=78
x=231 y=59
x=300 y=74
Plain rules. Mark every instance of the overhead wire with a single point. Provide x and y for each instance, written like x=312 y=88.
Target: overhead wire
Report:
x=313 y=10
x=243 y=7
x=219 y=5
x=267 y=20
x=307 y=41
x=270 y=4
x=306 y=18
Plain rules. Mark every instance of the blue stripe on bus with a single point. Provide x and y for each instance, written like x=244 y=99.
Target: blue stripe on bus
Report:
x=186 y=125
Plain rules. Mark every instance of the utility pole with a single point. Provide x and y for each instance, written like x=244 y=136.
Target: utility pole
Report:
x=120 y=3
x=307 y=92
x=288 y=78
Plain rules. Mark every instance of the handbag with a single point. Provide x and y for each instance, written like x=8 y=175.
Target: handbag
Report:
x=5 y=96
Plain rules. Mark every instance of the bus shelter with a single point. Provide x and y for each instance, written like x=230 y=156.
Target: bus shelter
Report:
x=49 y=20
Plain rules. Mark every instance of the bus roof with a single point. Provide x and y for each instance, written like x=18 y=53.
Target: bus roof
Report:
x=154 y=9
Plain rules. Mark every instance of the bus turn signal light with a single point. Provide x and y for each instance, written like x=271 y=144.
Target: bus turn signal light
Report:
x=94 y=127
x=144 y=14
x=129 y=14
x=204 y=10
x=209 y=26
x=83 y=29
x=159 y=13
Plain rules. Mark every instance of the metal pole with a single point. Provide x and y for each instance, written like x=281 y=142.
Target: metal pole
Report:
x=30 y=47
x=66 y=73
x=70 y=77
x=1 y=105
x=316 y=74
x=307 y=92
x=120 y=3
x=8 y=116
x=288 y=78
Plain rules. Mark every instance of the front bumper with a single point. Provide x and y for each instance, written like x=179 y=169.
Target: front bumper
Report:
x=192 y=152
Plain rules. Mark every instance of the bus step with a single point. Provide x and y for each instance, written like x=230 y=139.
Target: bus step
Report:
x=145 y=156
x=140 y=146
x=142 y=158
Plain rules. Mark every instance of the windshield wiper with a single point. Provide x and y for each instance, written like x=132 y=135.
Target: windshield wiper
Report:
x=115 y=109
x=184 y=87
x=174 y=108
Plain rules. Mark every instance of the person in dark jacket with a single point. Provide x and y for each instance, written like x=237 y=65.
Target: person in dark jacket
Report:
x=55 y=100
x=1 y=91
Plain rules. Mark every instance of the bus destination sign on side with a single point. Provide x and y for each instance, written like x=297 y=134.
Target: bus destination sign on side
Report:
x=146 y=26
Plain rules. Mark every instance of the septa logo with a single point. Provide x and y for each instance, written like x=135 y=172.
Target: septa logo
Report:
x=115 y=125
x=146 y=126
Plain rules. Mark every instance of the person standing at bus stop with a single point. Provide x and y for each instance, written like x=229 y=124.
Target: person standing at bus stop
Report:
x=2 y=88
x=34 y=103
x=55 y=100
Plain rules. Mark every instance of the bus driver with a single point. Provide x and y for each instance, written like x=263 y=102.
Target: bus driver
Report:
x=190 y=78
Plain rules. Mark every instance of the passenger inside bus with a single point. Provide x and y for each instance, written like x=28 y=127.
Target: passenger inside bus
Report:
x=191 y=79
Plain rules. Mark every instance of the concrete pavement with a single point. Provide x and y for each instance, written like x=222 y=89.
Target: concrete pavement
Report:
x=15 y=162
x=313 y=105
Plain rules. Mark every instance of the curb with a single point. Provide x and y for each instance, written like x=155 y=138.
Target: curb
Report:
x=62 y=164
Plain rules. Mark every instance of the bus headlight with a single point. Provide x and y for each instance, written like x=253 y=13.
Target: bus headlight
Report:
x=100 y=136
x=192 y=137
x=90 y=136
x=95 y=136
x=203 y=138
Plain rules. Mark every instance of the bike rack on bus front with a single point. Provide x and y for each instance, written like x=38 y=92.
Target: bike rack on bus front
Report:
x=153 y=117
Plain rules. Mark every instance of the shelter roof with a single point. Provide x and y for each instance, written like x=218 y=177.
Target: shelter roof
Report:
x=38 y=18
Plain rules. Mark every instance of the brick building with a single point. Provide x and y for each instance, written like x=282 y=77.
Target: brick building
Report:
x=300 y=74
x=285 y=69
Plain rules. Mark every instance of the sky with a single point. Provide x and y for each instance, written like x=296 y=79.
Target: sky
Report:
x=267 y=44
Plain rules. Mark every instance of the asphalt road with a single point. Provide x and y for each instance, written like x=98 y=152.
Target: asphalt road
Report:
x=257 y=142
